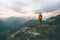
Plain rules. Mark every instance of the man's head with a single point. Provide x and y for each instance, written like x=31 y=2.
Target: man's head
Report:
x=40 y=13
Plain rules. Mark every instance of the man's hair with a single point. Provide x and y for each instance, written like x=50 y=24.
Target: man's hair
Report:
x=40 y=13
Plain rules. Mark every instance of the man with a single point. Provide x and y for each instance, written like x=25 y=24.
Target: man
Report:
x=40 y=17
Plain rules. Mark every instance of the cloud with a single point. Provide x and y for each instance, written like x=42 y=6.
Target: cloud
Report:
x=22 y=6
x=27 y=8
x=25 y=5
x=28 y=15
x=35 y=5
x=51 y=14
x=49 y=5
x=10 y=13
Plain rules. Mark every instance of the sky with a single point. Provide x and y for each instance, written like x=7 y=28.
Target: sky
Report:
x=28 y=8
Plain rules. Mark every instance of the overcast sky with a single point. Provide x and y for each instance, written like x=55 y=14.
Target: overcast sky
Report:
x=20 y=7
x=30 y=5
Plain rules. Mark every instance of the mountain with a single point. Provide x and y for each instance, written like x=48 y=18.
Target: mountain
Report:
x=2 y=26
x=30 y=23
x=12 y=19
x=3 y=30
x=10 y=25
x=54 y=20
x=48 y=30
x=15 y=22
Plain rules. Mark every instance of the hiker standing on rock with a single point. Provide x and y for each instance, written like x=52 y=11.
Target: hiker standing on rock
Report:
x=40 y=17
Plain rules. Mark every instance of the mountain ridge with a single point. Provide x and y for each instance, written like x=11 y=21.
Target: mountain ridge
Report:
x=43 y=31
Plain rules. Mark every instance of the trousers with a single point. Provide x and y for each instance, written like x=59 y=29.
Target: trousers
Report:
x=40 y=20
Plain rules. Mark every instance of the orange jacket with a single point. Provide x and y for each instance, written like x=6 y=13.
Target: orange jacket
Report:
x=40 y=16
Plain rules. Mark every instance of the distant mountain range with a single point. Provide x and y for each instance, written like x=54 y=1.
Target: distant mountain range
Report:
x=13 y=22
x=11 y=19
x=30 y=23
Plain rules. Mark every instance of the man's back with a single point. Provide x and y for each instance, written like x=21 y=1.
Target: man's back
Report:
x=40 y=16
